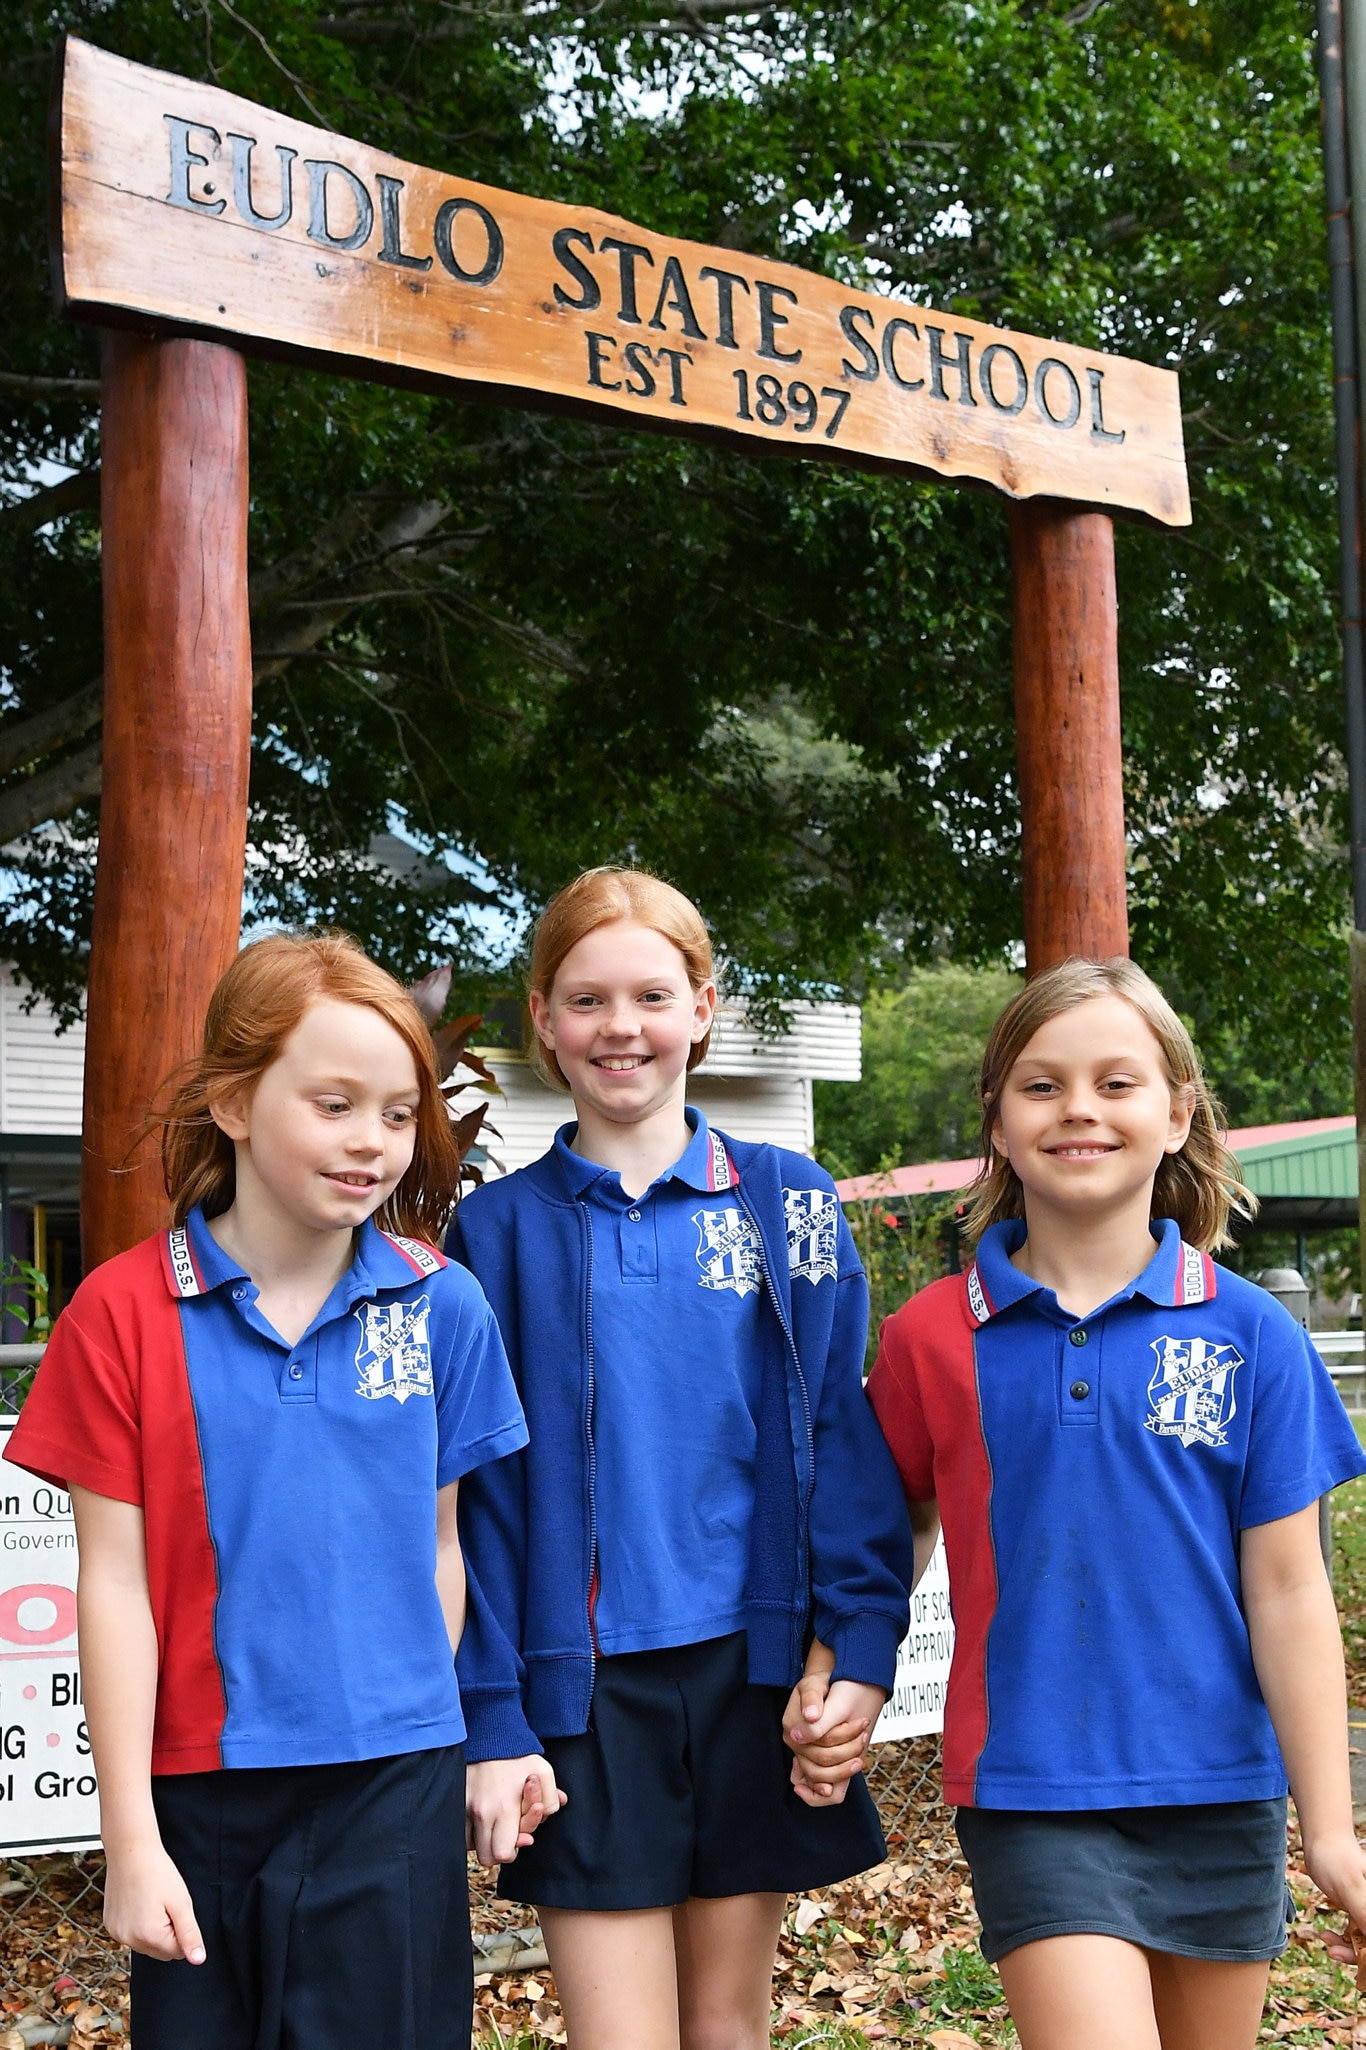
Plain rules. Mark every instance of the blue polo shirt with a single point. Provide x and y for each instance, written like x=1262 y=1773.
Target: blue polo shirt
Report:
x=677 y=1280
x=289 y=1491
x=1094 y=1475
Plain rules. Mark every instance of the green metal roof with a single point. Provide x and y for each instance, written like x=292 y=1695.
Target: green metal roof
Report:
x=1315 y=1164
x=1304 y=1175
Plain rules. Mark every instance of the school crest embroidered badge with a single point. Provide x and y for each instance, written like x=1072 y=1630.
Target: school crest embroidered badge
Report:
x=394 y=1356
x=812 y=1234
x=728 y=1251
x=1191 y=1393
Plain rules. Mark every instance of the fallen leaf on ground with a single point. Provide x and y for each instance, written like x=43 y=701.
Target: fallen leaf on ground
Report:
x=807 y=1915
x=950 y=2039
x=840 y=1956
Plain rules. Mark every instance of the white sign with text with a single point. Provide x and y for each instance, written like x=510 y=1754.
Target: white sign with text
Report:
x=48 y=1800
x=922 y=1665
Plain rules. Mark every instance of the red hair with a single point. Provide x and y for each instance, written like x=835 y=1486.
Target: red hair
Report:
x=612 y=896
x=256 y=1006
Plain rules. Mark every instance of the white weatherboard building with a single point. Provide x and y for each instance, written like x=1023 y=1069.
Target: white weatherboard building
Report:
x=753 y=1087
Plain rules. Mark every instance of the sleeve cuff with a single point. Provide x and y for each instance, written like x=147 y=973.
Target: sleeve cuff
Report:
x=865 y=1645
x=463 y=1459
x=65 y=1466
x=496 y=1727
x=1270 y=1505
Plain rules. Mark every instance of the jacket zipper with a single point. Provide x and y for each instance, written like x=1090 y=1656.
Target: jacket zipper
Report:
x=773 y=1297
x=591 y=1599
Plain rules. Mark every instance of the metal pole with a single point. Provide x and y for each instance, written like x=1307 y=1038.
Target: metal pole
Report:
x=1342 y=81
x=1289 y=1286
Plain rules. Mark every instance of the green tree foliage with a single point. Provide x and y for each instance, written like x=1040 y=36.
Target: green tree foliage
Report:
x=542 y=643
x=922 y=1044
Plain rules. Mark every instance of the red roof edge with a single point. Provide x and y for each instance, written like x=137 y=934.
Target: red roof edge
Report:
x=949 y=1177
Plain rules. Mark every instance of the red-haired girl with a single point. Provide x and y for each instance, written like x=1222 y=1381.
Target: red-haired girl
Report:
x=1127 y=1445
x=263 y=1415
x=705 y=1498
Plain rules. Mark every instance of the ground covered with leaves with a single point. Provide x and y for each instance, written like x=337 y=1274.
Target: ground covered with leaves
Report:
x=888 y=1958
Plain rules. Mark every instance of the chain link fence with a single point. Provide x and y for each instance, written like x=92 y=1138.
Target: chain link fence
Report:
x=64 y=1982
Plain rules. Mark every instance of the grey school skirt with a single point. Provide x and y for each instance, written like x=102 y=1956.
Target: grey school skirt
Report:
x=1204 y=1881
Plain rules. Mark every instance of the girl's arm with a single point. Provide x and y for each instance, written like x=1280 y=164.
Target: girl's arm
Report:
x=925 y=1532
x=146 y=1902
x=506 y=1798
x=1297 y=1651
x=450 y=1564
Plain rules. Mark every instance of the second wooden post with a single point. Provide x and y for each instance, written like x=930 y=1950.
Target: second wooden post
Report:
x=1068 y=743
x=177 y=737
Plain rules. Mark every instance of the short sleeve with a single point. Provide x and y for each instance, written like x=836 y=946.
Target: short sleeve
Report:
x=478 y=1415
x=80 y=1424
x=895 y=1397
x=1301 y=1442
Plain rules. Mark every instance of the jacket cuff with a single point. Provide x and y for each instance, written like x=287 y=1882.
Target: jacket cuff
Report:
x=496 y=1727
x=865 y=1646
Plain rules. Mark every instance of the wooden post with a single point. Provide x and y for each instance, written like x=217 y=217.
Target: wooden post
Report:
x=177 y=734
x=1067 y=733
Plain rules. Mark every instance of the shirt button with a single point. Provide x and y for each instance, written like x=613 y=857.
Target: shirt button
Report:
x=239 y=1295
x=1079 y=1390
x=634 y=1216
x=1079 y=1335
x=297 y=1374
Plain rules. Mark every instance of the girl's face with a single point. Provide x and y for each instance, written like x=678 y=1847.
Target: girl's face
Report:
x=328 y=1130
x=1087 y=1112
x=621 y=1020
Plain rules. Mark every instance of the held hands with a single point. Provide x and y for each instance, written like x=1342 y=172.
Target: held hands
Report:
x=827 y=1726
x=1337 y=1867
x=506 y=1800
x=147 y=1905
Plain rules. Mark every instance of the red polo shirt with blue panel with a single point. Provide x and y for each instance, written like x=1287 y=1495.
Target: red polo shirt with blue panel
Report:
x=289 y=1491
x=1093 y=1475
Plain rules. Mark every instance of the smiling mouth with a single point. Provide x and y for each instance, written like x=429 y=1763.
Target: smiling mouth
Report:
x=354 y=1181
x=621 y=1064
x=1080 y=1152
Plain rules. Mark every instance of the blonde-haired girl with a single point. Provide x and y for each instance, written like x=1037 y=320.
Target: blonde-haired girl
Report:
x=705 y=1499
x=263 y=1414
x=1127 y=1445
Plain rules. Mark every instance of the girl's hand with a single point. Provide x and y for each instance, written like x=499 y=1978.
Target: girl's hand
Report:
x=147 y=1905
x=829 y=1736
x=506 y=1800
x=1337 y=1867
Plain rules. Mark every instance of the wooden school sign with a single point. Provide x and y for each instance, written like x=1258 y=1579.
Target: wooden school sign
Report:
x=194 y=226
x=182 y=203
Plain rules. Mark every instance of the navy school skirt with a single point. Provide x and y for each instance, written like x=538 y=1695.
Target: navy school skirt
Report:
x=334 y=1906
x=679 y=1788
x=1205 y=1881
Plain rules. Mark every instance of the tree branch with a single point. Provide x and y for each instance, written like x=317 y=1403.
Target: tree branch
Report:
x=29 y=740
x=288 y=627
x=72 y=494
x=51 y=794
x=48 y=387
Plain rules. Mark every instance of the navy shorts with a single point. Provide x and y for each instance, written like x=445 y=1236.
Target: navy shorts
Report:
x=334 y=1905
x=1204 y=1881
x=679 y=1789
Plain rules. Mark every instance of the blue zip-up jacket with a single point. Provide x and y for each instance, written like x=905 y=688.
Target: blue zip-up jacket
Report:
x=830 y=1540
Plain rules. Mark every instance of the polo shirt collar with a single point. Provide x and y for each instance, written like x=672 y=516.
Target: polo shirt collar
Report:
x=1176 y=1276
x=704 y=1165
x=195 y=1264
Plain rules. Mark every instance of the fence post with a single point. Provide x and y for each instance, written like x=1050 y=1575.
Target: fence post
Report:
x=1289 y=1286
